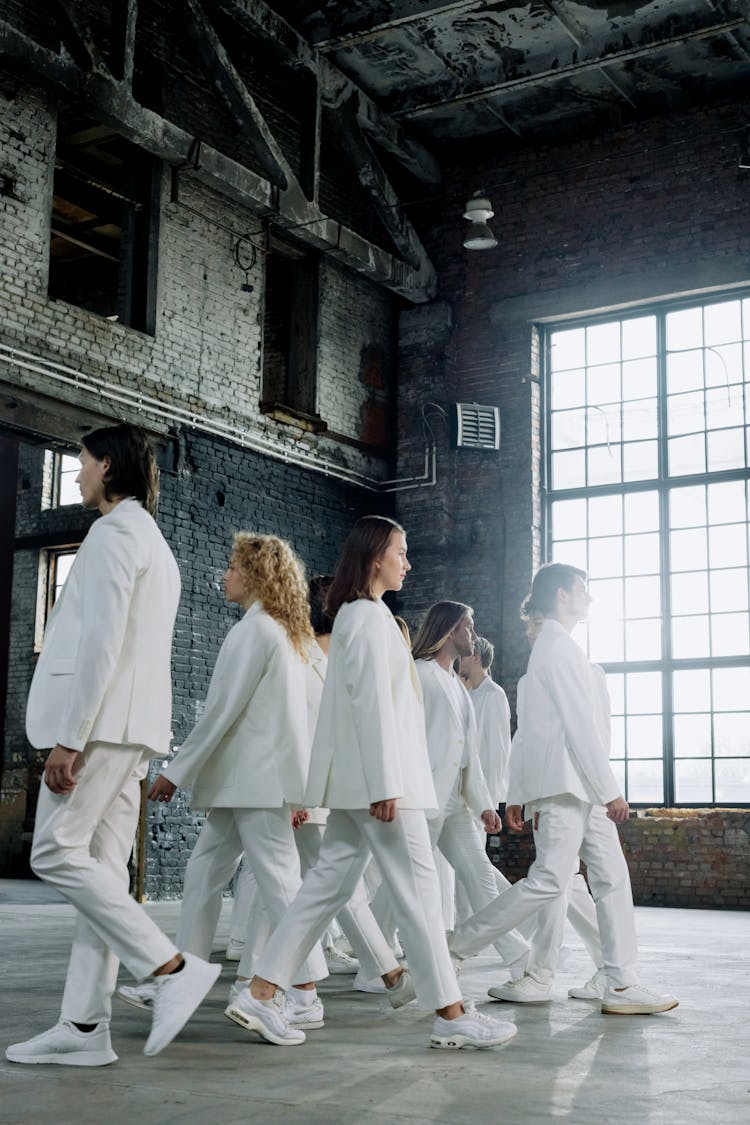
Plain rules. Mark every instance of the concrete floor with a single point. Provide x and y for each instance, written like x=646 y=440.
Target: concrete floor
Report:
x=367 y=1064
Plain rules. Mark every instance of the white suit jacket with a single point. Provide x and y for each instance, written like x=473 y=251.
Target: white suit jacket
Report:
x=315 y=677
x=250 y=748
x=563 y=716
x=104 y=671
x=492 y=712
x=370 y=739
x=448 y=733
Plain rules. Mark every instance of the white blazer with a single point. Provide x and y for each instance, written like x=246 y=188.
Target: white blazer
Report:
x=104 y=671
x=449 y=734
x=492 y=712
x=563 y=716
x=315 y=677
x=370 y=739
x=250 y=748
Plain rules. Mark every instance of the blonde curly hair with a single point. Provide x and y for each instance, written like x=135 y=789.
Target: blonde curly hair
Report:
x=272 y=573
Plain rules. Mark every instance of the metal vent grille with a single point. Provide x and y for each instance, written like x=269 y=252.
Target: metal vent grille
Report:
x=477 y=427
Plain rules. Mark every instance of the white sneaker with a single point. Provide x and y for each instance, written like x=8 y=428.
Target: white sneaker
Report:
x=472 y=1029
x=265 y=1017
x=339 y=962
x=176 y=998
x=139 y=995
x=362 y=984
x=527 y=990
x=306 y=1016
x=592 y=990
x=636 y=1001
x=235 y=949
x=66 y=1045
x=402 y=992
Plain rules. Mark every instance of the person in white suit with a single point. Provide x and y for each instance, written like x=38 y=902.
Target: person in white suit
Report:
x=101 y=697
x=370 y=767
x=492 y=713
x=446 y=634
x=564 y=773
x=247 y=760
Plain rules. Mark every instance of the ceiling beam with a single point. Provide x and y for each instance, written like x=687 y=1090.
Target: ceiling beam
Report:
x=263 y=24
x=77 y=37
x=579 y=36
x=113 y=102
x=570 y=70
x=405 y=13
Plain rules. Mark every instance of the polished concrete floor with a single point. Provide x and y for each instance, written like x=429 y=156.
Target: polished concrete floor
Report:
x=568 y=1062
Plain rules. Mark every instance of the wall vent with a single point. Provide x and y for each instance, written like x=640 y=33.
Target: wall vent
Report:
x=477 y=427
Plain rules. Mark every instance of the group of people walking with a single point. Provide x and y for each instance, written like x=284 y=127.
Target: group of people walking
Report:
x=319 y=753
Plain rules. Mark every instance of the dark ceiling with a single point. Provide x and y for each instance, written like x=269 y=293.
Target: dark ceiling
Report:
x=451 y=71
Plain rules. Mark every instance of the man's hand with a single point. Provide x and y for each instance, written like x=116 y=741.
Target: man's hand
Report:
x=59 y=768
x=514 y=818
x=384 y=810
x=618 y=810
x=492 y=822
x=162 y=789
x=299 y=817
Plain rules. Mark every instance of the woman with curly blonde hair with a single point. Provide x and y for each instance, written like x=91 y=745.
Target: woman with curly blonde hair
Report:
x=248 y=756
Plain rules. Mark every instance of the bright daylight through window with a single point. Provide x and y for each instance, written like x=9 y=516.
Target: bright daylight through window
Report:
x=647 y=473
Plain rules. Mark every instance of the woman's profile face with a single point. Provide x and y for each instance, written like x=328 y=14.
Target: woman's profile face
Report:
x=391 y=568
x=234 y=584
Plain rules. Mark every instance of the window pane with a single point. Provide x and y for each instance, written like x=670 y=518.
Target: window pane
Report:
x=729 y=634
x=568 y=429
x=569 y=519
x=603 y=384
x=684 y=372
x=723 y=365
x=646 y=783
x=692 y=736
x=569 y=389
x=644 y=736
x=618 y=769
x=568 y=349
x=639 y=337
x=69 y=490
x=692 y=782
x=723 y=407
x=573 y=552
x=686 y=455
x=639 y=419
x=643 y=640
x=722 y=322
x=640 y=460
x=605 y=557
x=686 y=413
x=641 y=512
x=687 y=506
x=605 y=515
x=603 y=342
x=616 y=689
x=684 y=329
x=606 y=643
x=726 y=449
x=689 y=593
x=644 y=693
x=568 y=470
x=732 y=734
x=642 y=554
x=727 y=544
x=642 y=597
x=607 y=601
x=688 y=549
x=728 y=590
x=726 y=502
x=690 y=637
x=639 y=379
x=603 y=425
x=731 y=688
x=733 y=781
x=691 y=690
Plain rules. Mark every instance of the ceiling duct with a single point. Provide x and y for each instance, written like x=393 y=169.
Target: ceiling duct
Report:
x=477 y=427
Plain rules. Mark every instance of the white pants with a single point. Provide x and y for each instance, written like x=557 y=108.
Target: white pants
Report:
x=580 y=908
x=265 y=835
x=566 y=829
x=402 y=850
x=359 y=926
x=458 y=838
x=82 y=843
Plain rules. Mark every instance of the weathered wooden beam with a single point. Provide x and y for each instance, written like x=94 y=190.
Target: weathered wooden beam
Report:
x=123 y=23
x=77 y=39
x=112 y=102
x=279 y=36
x=233 y=92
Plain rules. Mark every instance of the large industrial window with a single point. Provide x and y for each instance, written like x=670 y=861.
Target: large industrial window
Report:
x=103 y=233
x=648 y=423
x=59 y=487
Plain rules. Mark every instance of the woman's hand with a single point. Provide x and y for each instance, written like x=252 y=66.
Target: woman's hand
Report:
x=299 y=817
x=514 y=818
x=162 y=789
x=384 y=810
x=492 y=822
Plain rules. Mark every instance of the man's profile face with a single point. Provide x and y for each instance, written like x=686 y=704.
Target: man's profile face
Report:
x=463 y=636
x=91 y=479
x=578 y=599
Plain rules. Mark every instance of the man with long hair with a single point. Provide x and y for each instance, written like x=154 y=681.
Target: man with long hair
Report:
x=492 y=712
x=564 y=773
x=101 y=697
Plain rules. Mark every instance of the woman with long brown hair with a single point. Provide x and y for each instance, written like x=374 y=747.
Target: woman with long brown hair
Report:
x=370 y=767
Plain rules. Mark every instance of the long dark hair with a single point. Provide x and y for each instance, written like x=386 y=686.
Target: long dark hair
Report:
x=550 y=578
x=132 y=465
x=318 y=587
x=363 y=545
x=435 y=628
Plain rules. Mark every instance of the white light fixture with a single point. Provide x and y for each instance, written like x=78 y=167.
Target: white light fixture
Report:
x=478 y=211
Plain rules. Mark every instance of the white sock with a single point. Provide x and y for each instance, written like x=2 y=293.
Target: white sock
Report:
x=303 y=997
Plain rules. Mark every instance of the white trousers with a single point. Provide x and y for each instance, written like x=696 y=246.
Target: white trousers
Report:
x=458 y=839
x=580 y=908
x=82 y=843
x=356 y=919
x=567 y=828
x=404 y=855
x=266 y=836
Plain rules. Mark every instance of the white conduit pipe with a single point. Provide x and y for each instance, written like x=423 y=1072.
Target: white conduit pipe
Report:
x=259 y=443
